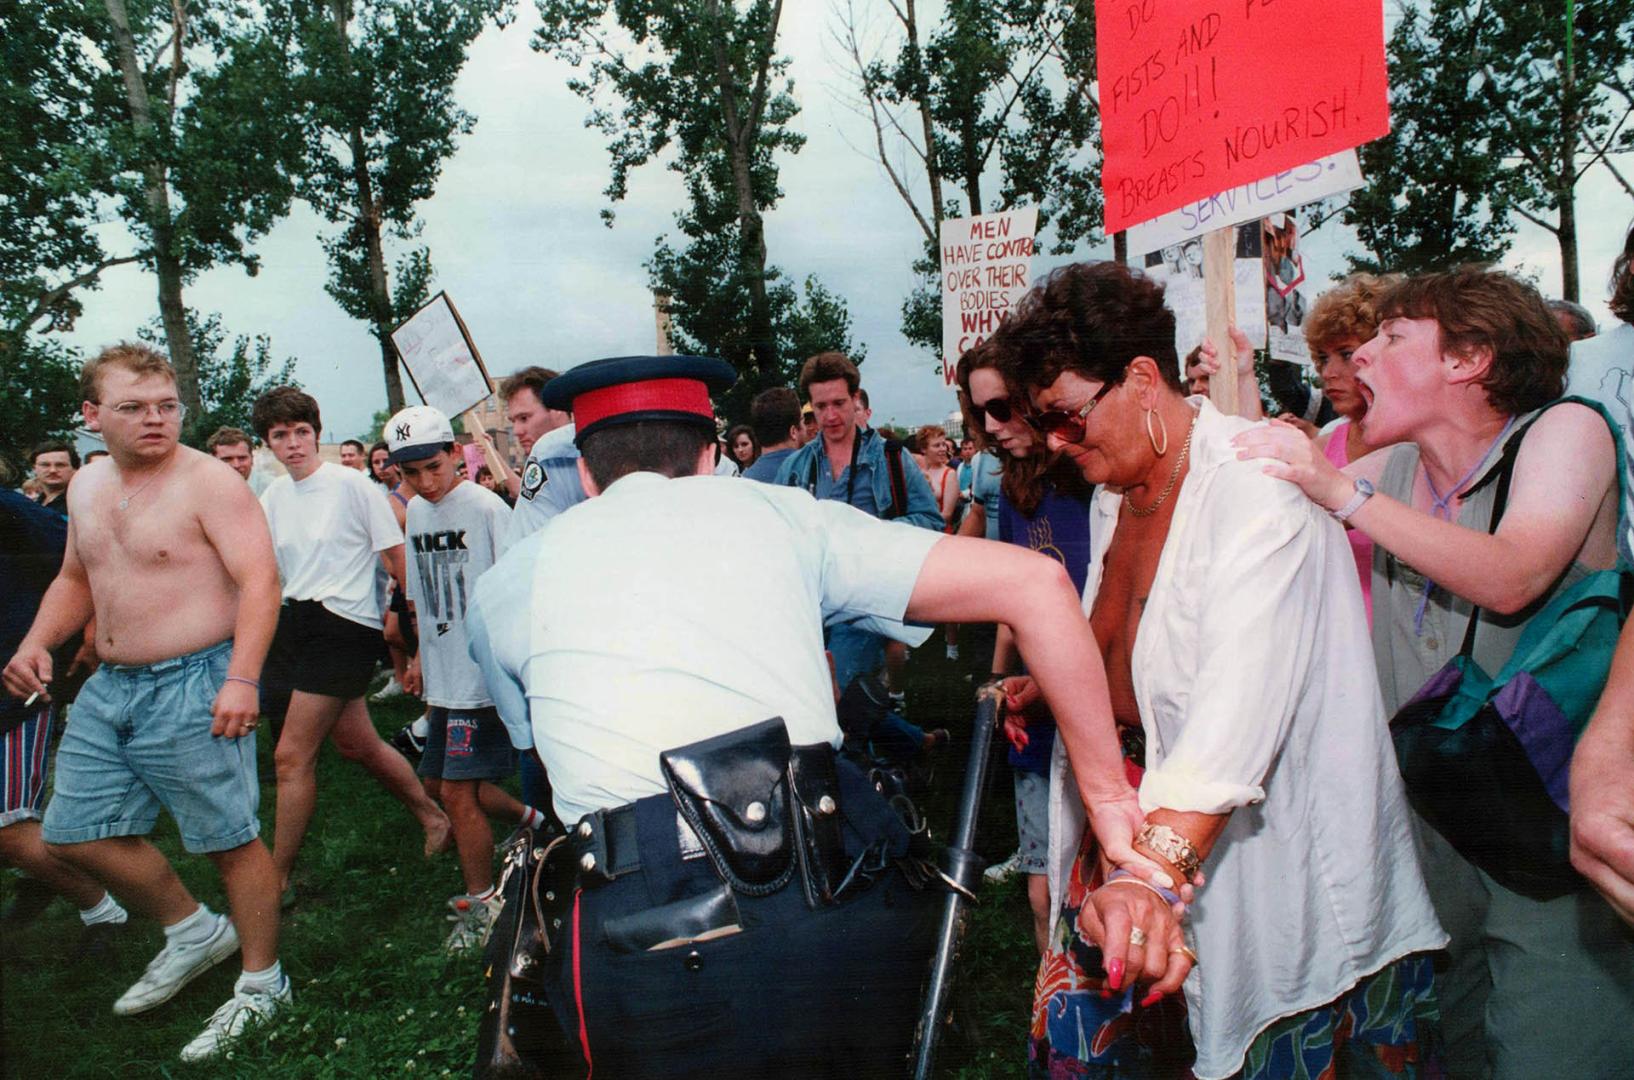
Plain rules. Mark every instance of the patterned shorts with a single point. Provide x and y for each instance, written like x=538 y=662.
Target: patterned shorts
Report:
x=23 y=767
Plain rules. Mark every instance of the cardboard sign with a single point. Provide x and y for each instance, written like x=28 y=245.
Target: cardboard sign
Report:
x=986 y=267
x=1197 y=98
x=1321 y=179
x=1180 y=269
x=441 y=359
x=473 y=458
x=1287 y=293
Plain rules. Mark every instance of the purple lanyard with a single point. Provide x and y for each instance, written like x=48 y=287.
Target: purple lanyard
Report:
x=1441 y=508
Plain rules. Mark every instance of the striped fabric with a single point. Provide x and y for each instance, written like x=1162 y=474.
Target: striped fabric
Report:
x=22 y=768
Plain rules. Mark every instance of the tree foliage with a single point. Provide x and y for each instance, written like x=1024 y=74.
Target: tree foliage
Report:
x=138 y=109
x=231 y=378
x=989 y=109
x=1499 y=111
x=39 y=396
x=51 y=181
x=369 y=85
x=699 y=83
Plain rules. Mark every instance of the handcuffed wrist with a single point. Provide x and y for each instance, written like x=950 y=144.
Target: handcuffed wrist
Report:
x=1169 y=896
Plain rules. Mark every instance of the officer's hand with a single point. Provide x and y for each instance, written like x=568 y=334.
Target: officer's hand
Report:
x=237 y=709
x=28 y=673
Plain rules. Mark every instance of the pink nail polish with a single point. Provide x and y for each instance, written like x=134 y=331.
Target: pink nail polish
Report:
x=1151 y=999
x=1114 y=974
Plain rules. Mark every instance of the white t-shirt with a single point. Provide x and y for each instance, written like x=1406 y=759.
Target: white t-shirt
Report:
x=450 y=543
x=327 y=531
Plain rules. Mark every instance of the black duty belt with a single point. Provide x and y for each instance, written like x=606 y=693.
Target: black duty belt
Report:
x=604 y=844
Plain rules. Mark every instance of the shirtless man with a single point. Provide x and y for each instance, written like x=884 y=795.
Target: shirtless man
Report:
x=168 y=551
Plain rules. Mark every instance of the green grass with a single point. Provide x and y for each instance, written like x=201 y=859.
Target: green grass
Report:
x=374 y=994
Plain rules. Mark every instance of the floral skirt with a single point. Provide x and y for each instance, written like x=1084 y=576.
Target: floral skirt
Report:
x=1386 y=1026
x=1081 y=1028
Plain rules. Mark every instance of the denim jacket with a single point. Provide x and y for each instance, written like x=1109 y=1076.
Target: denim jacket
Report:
x=869 y=490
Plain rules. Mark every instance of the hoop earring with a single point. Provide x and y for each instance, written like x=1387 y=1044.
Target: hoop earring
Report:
x=1150 y=434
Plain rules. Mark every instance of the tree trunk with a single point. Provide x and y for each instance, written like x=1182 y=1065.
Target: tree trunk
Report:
x=368 y=226
x=1120 y=248
x=1567 y=186
x=933 y=170
x=156 y=193
x=752 y=259
x=742 y=130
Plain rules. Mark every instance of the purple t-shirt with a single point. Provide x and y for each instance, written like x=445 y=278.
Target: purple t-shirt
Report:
x=1059 y=529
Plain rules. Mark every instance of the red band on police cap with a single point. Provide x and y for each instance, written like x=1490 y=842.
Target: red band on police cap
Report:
x=649 y=395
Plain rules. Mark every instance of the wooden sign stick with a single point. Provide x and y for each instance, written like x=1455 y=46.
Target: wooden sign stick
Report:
x=496 y=464
x=1220 y=300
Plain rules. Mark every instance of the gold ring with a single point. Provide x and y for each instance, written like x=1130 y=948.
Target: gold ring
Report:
x=1187 y=953
x=1137 y=937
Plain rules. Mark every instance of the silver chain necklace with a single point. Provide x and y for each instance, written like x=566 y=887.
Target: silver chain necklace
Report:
x=124 y=503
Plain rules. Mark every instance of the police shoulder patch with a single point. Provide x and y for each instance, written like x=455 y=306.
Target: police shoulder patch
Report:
x=533 y=478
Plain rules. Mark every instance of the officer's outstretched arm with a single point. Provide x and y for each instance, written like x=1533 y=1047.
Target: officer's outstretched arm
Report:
x=966 y=580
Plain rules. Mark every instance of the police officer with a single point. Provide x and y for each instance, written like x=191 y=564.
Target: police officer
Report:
x=550 y=478
x=737 y=901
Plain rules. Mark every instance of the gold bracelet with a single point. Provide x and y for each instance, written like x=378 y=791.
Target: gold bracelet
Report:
x=1172 y=847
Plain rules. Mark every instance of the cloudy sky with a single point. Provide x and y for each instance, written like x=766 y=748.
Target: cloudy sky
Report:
x=516 y=240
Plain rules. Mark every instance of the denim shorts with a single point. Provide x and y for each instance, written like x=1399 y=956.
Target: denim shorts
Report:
x=138 y=738
x=1032 y=821
x=466 y=744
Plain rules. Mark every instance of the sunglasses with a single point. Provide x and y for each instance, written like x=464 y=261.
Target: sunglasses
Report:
x=1069 y=426
x=998 y=408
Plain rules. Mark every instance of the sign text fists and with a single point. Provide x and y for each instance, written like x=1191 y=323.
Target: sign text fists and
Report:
x=986 y=268
x=1200 y=97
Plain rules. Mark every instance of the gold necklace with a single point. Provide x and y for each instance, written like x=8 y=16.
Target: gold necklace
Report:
x=1174 y=474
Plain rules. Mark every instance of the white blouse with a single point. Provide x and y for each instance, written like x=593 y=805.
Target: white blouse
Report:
x=1254 y=676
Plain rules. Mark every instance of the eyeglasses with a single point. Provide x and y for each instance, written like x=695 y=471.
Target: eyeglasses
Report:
x=998 y=408
x=1069 y=426
x=138 y=410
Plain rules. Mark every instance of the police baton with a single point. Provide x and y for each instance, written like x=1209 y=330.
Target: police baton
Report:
x=962 y=869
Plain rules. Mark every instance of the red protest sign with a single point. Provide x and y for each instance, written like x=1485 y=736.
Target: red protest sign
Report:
x=1199 y=96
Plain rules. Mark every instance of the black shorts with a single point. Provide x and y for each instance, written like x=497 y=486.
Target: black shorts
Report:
x=319 y=652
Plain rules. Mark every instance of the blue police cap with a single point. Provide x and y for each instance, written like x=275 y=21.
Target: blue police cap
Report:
x=625 y=389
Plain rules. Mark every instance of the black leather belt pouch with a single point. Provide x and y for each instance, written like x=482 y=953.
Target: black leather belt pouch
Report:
x=819 y=841
x=518 y=1034
x=674 y=923
x=734 y=791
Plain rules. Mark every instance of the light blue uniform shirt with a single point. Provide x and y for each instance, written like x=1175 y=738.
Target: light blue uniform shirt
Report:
x=669 y=611
x=550 y=483
x=496 y=632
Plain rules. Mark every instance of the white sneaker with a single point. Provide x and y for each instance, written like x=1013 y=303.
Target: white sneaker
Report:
x=392 y=689
x=999 y=873
x=229 y=1021
x=473 y=921
x=175 y=967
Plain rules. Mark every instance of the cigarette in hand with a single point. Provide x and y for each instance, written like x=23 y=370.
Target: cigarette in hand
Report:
x=32 y=698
